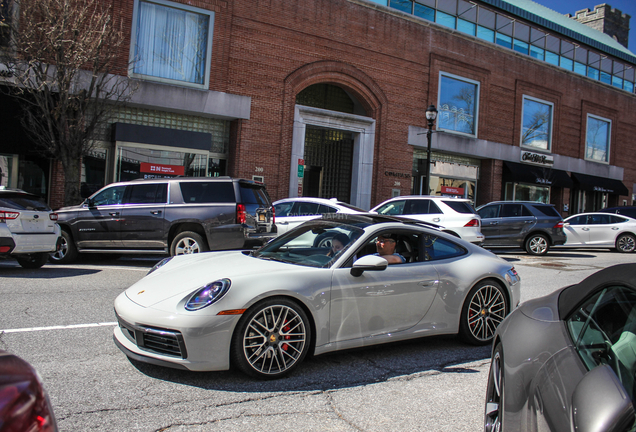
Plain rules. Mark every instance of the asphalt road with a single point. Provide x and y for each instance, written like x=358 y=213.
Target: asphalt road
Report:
x=60 y=319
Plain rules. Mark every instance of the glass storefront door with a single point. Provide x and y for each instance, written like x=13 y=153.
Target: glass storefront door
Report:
x=143 y=161
x=527 y=192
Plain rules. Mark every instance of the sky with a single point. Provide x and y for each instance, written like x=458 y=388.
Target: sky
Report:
x=571 y=6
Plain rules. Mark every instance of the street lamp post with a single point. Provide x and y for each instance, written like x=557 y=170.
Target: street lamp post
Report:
x=431 y=115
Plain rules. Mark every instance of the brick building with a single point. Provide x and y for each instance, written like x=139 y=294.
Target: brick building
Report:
x=328 y=98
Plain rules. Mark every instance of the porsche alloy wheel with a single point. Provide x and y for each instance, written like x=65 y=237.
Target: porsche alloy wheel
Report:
x=484 y=310
x=272 y=339
x=494 y=393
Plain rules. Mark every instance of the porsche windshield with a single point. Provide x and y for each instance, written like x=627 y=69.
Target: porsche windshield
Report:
x=314 y=244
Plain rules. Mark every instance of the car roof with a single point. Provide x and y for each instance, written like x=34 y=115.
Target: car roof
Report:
x=311 y=199
x=439 y=197
x=572 y=296
x=374 y=218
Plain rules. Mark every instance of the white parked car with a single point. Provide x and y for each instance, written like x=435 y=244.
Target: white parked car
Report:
x=601 y=230
x=291 y=212
x=28 y=228
x=456 y=216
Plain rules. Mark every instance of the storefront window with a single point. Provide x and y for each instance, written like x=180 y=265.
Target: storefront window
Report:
x=93 y=172
x=7 y=170
x=135 y=162
x=526 y=192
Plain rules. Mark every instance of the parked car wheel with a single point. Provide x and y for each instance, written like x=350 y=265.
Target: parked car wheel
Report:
x=33 y=261
x=187 y=242
x=272 y=338
x=494 y=392
x=625 y=243
x=67 y=252
x=324 y=240
x=483 y=311
x=537 y=244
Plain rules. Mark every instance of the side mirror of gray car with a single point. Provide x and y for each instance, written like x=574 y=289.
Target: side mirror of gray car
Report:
x=90 y=203
x=368 y=263
x=601 y=404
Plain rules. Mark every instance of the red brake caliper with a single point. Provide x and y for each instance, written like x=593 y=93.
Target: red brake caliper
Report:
x=286 y=329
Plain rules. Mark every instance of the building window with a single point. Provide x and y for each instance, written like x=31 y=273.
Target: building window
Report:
x=597 y=142
x=536 y=128
x=458 y=104
x=172 y=43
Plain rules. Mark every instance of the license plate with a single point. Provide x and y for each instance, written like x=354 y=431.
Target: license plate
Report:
x=261 y=217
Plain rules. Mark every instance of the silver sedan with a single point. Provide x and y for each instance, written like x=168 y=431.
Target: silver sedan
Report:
x=265 y=310
x=567 y=361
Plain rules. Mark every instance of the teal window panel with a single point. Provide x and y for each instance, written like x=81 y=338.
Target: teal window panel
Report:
x=402 y=5
x=629 y=86
x=606 y=78
x=521 y=46
x=567 y=63
x=425 y=12
x=617 y=82
x=445 y=19
x=580 y=68
x=538 y=53
x=466 y=26
x=504 y=40
x=486 y=34
x=593 y=73
x=552 y=58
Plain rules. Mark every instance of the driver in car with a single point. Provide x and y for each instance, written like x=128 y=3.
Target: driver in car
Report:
x=385 y=246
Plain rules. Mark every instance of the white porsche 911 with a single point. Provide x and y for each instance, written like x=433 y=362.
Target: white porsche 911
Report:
x=322 y=287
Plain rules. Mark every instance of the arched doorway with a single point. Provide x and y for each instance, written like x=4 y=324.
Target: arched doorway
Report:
x=332 y=148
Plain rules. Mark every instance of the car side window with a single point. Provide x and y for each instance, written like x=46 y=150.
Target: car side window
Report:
x=436 y=248
x=598 y=219
x=434 y=208
x=419 y=206
x=110 y=196
x=146 y=193
x=282 y=209
x=578 y=220
x=322 y=209
x=617 y=219
x=304 y=209
x=207 y=192
x=603 y=330
x=392 y=208
x=489 y=212
x=512 y=210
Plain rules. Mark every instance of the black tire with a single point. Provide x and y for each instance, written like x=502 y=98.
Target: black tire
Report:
x=484 y=309
x=625 y=243
x=67 y=252
x=495 y=392
x=265 y=348
x=537 y=244
x=33 y=261
x=187 y=242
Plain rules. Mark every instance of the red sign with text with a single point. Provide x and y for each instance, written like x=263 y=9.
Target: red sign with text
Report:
x=452 y=190
x=161 y=169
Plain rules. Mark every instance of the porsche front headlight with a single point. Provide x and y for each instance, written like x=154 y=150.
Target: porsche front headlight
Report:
x=208 y=294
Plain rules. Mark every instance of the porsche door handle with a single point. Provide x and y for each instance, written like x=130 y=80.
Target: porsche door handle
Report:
x=428 y=283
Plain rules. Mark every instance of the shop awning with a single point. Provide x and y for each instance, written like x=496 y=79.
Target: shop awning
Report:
x=599 y=184
x=524 y=173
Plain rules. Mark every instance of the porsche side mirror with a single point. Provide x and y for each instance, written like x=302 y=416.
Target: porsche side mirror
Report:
x=368 y=263
x=600 y=403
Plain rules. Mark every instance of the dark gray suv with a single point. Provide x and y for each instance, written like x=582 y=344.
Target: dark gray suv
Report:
x=533 y=226
x=168 y=216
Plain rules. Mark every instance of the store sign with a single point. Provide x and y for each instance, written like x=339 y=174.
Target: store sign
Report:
x=452 y=190
x=537 y=158
x=174 y=170
x=397 y=174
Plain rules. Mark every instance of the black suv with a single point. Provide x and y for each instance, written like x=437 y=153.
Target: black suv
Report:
x=531 y=225
x=173 y=216
x=629 y=211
